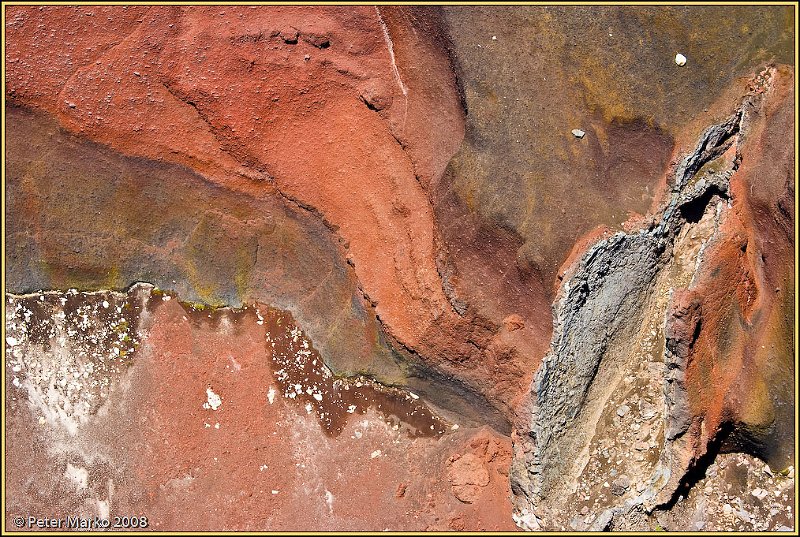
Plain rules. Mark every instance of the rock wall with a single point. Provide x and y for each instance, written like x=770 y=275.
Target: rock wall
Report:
x=659 y=276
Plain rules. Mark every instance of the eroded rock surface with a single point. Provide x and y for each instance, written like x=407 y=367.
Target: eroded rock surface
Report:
x=628 y=321
x=390 y=243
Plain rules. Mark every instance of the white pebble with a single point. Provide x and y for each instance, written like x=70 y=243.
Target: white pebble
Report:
x=213 y=400
x=680 y=60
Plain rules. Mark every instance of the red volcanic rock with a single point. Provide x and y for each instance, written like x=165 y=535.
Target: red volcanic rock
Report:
x=467 y=476
x=737 y=335
x=233 y=94
x=316 y=144
x=352 y=121
x=482 y=470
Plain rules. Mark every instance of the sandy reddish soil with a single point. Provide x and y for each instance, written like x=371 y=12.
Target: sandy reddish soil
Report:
x=163 y=447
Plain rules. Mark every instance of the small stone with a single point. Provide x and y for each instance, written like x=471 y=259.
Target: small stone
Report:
x=644 y=433
x=727 y=509
x=577 y=133
x=620 y=485
x=526 y=519
x=622 y=410
x=214 y=401
x=585 y=510
x=680 y=60
x=648 y=411
x=468 y=475
x=289 y=35
x=306 y=57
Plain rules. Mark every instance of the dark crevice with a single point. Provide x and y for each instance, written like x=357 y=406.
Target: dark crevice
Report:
x=370 y=105
x=697 y=470
x=692 y=211
x=731 y=438
x=447 y=395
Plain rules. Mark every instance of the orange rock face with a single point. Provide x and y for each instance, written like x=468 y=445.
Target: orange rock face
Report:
x=738 y=334
x=318 y=109
x=331 y=119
